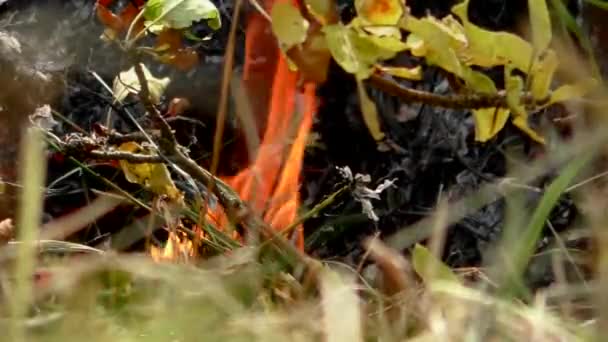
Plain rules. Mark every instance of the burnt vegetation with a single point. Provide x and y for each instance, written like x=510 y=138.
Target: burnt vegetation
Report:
x=137 y=185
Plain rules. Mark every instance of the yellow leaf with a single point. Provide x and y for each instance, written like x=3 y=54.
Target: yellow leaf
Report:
x=389 y=44
x=522 y=123
x=321 y=10
x=415 y=44
x=572 y=91
x=514 y=85
x=127 y=82
x=542 y=75
x=357 y=52
x=519 y=114
x=414 y=73
x=438 y=43
x=155 y=177
x=488 y=122
x=288 y=25
x=478 y=81
x=381 y=31
x=430 y=268
x=370 y=112
x=444 y=34
x=380 y=12
x=442 y=43
x=540 y=24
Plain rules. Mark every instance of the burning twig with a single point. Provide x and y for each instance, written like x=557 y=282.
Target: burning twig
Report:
x=236 y=209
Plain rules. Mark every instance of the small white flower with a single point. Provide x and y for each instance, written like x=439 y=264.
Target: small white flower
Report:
x=362 y=193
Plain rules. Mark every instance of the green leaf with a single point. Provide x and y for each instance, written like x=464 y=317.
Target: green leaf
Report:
x=525 y=246
x=540 y=23
x=429 y=268
x=179 y=14
x=370 y=112
x=288 y=25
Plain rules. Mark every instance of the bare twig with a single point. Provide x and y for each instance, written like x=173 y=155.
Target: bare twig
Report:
x=226 y=77
x=134 y=158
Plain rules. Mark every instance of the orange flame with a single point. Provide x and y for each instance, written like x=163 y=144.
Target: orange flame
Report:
x=178 y=248
x=270 y=184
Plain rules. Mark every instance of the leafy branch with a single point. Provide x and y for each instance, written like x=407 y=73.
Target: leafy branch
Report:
x=453 y=44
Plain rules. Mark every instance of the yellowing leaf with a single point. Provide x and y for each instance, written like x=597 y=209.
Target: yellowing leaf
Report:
x=478 y=81
x=445 y=33
x=488 y=48
x=370 y=112
x=572 y=91
x=488 y=122
x=178 y=14
x=414 y=73
x=387 y=43
x=322 y=10
x=542 y=75
x=435 y=41
x=521 y=122
x=441 y=43
x=381 y=31
x=415 y=44
x=127 y=83
x=288 y=25
x=519 y=114
x=358 y=52
x=514 y=87
x=429 y=268
x=155 y=177
x=540 y=24
x=380 y=12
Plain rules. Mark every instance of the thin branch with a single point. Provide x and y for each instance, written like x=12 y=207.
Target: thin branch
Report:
x=455 y=101
x=236 y=209
x=134 y=158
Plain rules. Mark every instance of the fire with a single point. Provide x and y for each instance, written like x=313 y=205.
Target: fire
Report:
x=270 y=184
x=178 y=248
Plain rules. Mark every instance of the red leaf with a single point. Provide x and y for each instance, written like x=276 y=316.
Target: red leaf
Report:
x=109 y=19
